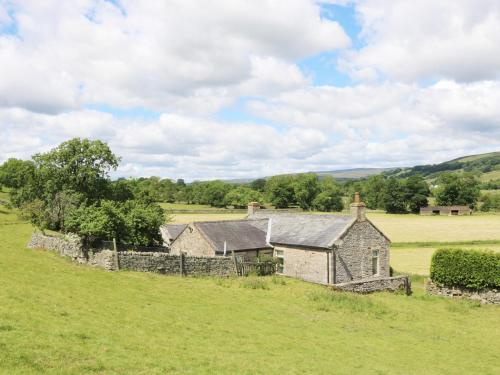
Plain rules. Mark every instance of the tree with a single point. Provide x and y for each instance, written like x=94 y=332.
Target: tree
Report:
x=306 y=188
x=394 y=196
x=241 y=196
x=280 y=191
x=457 y=189
x=78 y=165
x=215 y=192
x=16 y=173
x=373 y=191
x=417 y=191
x=258 y=184
x=330 y=197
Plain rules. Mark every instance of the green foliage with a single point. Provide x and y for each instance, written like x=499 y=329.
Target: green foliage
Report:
x=466 y=268
x=416 y=193
x=254 y=283
x=490 y=202
x=131 y=222
x=330 y=197
x=457 y=189
x=373 y=192
x=241 y=196
x=78 y=165
x=15 y=173
x=258 y=184
x=306 y=187
x=280 y=191
x=394 y=196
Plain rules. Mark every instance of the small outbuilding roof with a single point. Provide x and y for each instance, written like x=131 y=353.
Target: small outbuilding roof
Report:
x=303 y=229
x=238 y=234
x=170 y=232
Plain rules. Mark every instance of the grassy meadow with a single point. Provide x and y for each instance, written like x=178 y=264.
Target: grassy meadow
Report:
x=57 y=317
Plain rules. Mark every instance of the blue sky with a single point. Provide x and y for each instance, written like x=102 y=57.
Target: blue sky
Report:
x=251 y=88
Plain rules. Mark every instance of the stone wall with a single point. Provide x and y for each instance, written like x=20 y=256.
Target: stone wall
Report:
x=305 y=263
x=353 y=260
x=397 y=283
x=160 y=262
x=490 y=296
x=192 y=242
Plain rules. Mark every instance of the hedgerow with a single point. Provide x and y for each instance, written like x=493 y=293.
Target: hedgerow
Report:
x=470 y=269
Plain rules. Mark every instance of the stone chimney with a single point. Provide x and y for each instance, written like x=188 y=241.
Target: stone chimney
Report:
x=253 y=207
x=358 y=208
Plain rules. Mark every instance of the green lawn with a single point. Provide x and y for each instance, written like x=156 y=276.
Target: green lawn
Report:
x=57 y=317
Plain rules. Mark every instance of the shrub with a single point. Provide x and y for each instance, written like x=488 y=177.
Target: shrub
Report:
x=470 y=269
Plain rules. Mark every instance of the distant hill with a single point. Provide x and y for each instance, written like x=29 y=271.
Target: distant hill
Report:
x=486 y=166
x=343 y=174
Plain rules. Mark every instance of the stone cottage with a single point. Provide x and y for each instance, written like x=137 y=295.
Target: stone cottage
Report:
x=328 y=249
x=211 y=238
x=170 y=232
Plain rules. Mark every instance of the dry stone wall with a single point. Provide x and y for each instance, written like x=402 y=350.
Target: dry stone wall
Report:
x=488 y=296
x=392 y=284
x=159 y=262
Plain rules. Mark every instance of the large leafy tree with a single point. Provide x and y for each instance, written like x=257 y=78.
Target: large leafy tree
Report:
x=330 y=196
x=373 y=191
x=79 y=165
x=394 y=196
x=280 y=191
x=417 y=191
x=457 y=189
x=241 y=196
x=306 y=187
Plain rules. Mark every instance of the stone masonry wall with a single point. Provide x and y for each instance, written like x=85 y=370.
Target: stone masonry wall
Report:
x=489 y=296
x=305 y=264
x=159 y=262
x=354 y=255
x=376 y=284
x=193 y=243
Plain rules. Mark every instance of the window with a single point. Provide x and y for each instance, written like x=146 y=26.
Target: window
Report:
x=280 y=264
x=375 y=254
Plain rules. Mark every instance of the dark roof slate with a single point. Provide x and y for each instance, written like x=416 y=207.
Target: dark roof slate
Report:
x=238 y=235
x=173 y=230
x=303 y=229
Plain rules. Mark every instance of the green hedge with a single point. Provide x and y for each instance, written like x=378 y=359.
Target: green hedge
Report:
x=470 y=269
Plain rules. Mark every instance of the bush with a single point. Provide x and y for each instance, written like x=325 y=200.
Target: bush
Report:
x=470 y=269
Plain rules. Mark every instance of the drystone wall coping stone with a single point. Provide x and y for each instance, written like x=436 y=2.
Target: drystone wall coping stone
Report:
x=486 y=296
x=393 y=284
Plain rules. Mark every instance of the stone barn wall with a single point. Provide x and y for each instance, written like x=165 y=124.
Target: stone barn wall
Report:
x=159 y=262
x=354 y=255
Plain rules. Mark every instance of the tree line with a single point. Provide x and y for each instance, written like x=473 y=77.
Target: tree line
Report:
x=69 y=189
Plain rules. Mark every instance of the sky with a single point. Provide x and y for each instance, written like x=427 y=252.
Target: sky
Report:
x=236 y=88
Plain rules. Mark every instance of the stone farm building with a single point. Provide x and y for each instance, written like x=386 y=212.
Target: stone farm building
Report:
x=446 y=210
x=327 y=249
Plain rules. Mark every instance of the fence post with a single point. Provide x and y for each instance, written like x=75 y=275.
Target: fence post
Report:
x=115 y=255
x=235 y=263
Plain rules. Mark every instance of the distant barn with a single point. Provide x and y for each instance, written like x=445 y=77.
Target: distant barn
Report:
x=446 y=210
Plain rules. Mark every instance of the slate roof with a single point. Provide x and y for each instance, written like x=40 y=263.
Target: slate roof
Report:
x=302 y=229
x=238 y=234
x=170 y=232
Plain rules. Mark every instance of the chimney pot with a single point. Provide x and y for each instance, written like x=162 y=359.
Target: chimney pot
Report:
x=253 y=207
x=358 y=208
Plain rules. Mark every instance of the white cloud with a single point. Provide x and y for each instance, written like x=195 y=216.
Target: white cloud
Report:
x=426 y=39
x=159 y=55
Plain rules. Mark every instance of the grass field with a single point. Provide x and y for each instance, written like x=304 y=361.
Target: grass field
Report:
x=417 y=260
x=60 y=318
